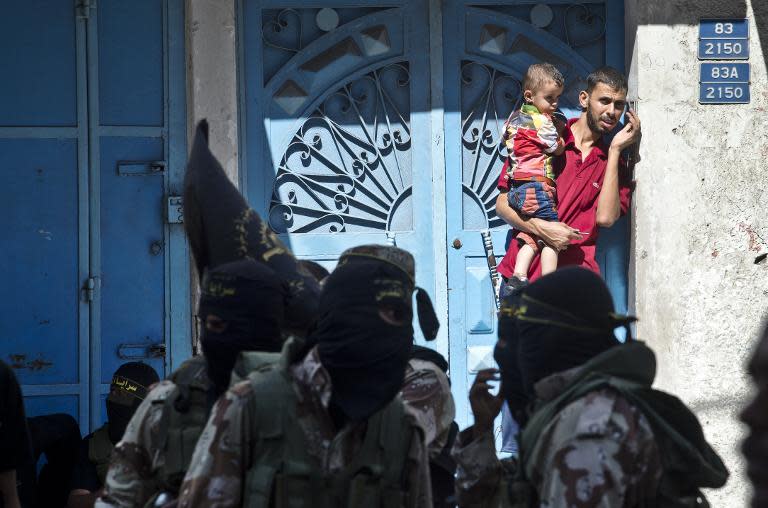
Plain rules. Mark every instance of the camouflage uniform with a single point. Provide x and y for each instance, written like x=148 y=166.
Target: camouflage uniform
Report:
x=426 y=390
x=138 y=460
x=223 y=454
x=599 y=451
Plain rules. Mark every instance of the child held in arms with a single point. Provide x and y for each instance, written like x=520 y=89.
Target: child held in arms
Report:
x=532 y=140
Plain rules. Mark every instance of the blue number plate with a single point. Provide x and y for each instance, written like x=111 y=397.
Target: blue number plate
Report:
x=723 y=49
x=724 y=73
x=723 y=93
x=724 y=29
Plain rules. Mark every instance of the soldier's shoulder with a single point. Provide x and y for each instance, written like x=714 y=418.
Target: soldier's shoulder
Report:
x=193 y=373
x=606 y=412
x=601 y=430
x=161 y=391
x=243 y=390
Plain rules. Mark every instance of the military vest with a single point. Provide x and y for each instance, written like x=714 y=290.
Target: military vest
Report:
x=100 y=450
x=688 y=461
x=185 y=413
x=285 y=475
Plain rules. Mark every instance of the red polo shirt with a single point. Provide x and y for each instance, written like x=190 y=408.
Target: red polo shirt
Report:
x=578 y=187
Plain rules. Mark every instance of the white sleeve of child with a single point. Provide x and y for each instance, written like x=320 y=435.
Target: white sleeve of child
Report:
x=548 y=134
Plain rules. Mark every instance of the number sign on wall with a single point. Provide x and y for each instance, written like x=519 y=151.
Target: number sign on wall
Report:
x=722 y=39
x=724 y=82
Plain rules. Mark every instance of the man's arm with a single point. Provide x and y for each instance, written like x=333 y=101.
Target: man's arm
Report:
x=427 y=393
x=557 y=235
x=8 y=492
x=81 y=498
x=478 y=469
x=609 y=202
x=131 y=479
x=216 y=474
x=419 y=493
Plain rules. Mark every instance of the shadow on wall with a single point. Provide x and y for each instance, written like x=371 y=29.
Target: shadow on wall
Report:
x=690 y=12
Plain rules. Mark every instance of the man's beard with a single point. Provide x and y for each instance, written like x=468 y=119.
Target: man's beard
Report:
x=593 y=123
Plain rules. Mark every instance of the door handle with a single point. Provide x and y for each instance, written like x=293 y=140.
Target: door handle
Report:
x=140 y=351
x=140 y=168
x=457 y=244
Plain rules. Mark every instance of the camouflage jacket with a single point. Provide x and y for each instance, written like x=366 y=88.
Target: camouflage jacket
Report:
x=598 y=451
x=223 y=454
x=427 y=392
x=134 y=476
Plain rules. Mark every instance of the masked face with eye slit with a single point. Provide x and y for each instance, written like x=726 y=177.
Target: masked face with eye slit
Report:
x=242 y=309
x=130 y=385
x=364 y=332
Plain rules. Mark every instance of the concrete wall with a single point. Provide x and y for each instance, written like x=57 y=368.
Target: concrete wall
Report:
x=700 y=219
x=212 y=76
x=212 y=90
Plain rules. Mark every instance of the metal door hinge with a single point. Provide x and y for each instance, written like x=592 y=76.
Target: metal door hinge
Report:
x=83 y=8
x=175 y=210
x=89 y=288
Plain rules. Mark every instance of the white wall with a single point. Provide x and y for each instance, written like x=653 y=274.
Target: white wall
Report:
x=700 y=219
x=212 y=76
x=212 y=90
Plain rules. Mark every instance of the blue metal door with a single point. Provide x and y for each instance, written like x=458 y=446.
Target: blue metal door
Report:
x=92 y=129
x=493 y=46
x=337 y=126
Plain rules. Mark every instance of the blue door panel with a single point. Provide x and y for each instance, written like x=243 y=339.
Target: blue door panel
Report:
x=38 y=405
x=38 y=85
x=131 y=62
x=39 y=265
x=79 y=205
x=132 y=251
x=613 y=256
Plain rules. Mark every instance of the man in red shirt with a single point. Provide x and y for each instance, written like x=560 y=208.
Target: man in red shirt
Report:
x=593 y=185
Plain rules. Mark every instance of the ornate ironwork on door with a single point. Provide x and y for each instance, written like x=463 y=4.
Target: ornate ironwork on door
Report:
x=488 y=96
x=348 y=167
x=579 y=25
x=287 y=31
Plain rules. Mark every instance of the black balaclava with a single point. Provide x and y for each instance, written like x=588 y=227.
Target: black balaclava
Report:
x=561 y=321
x=130 y=384
x=222 y=228
x=365 y=356
x=250 y=299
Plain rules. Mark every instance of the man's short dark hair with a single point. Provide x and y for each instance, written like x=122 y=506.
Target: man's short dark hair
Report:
x=538 y=74
x=608 y=76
